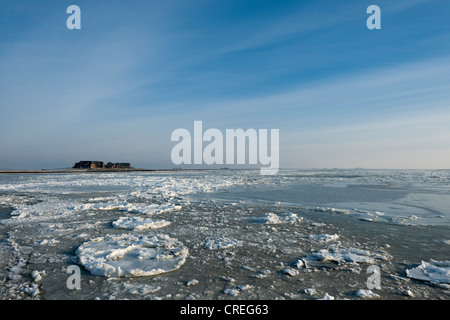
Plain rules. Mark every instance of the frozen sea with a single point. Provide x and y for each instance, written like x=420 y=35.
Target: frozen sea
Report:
x=226 y=234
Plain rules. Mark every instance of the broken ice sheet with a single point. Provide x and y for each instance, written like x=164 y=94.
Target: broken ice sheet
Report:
x=321 y=238
x=342 y=256
x=221 y=243
x=433 y=271
x=272 y=218
x=139 y=223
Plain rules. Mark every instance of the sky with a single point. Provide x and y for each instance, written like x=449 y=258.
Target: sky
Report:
x=341 y=95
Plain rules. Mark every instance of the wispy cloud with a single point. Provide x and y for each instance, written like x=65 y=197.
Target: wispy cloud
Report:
x=311 y=69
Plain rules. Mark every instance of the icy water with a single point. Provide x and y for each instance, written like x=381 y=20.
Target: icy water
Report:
x=226 y=234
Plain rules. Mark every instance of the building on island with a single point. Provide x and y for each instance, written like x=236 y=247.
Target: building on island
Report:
x=118 y=165
x=101 y=165
x=89 y=165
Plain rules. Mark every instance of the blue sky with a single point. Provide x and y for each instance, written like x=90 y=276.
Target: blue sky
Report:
x=340 y=94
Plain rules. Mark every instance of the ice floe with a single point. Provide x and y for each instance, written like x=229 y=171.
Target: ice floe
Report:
x=291 y=272
x=133 y=207
x=36 y=275
x=333 y=210
x=272 y=218
x=310 y=291
x=235 y=291
x=139 y=223
x=231 y=292
x=433 y=271
x=262 y=274
x=221 y=243
x=346 y=255
x=321 y=238
x=361 y=214
x=327 y=297
x=131 y=255
x=192 y=282
x=406 y=220
x=50 y=209
x=365 y=293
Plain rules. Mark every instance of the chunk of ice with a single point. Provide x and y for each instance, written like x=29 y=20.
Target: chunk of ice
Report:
x=327 y=297
x=364 y=293
x=291 y=272
x=131 y=255
x=231 y=292
x=221 y=243
x=272 y=218
x=345 y=255
x=433 y=271
x=192 y=282
x=321 y=238
x=139 y=223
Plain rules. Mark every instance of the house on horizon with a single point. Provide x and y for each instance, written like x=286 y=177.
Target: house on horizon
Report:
x=118 y=165
x=101 y=165
x=89 y=165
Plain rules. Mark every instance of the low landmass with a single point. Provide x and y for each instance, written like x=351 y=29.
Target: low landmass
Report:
x=86 y=166
x=100 y=166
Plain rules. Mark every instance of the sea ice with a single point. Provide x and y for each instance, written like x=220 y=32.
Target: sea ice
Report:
x=192 y=282
x=299 y=263
x=443 y=241
x=364 y=293
x=139 y=223
x=36 y=275
x=406 y=220
x=231 y=292
x=244 y=287
x=310 y=291
x=272 y=218
x=408 y=293
x=133 y=207
x=41 y=211
x=327 y=297
x=141 y=289
x=291 y=272
x=433 y=271
x=323 y=237
x=221 y=243
x=343 y=255
x=131 y=255
x=262 y=274
x=332 y=210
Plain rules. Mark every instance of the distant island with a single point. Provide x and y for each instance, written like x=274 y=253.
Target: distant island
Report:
x=101 y=165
